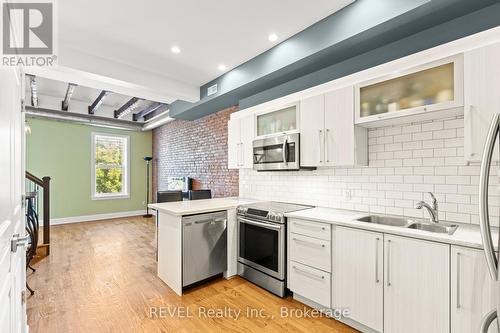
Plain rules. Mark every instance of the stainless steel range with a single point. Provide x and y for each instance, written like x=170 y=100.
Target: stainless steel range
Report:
x=262 y=243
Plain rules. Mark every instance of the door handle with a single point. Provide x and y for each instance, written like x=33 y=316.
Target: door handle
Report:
x=484 y=219
x=377 y=280
x=285 y=157
x=388 y=263
x=18 y=241
x=458 y=280
x=320 y=134
x=327 y=131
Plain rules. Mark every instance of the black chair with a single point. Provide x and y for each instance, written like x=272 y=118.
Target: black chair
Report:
x=200 y=194
x=168 y=196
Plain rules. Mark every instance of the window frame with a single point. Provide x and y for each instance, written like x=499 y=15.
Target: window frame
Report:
x=125 y=169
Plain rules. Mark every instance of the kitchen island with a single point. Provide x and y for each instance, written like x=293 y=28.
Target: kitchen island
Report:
x=170 y=234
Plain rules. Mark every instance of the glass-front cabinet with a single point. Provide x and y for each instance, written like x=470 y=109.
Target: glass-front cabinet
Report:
x=283 y=120
x=430 y=87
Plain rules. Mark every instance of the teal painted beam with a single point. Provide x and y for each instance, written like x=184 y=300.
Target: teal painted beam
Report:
x=341 y=38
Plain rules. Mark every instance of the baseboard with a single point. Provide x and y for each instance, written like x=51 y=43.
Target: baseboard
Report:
x=96 y=217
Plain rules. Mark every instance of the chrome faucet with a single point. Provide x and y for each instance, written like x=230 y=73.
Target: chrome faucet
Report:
x=433 y=211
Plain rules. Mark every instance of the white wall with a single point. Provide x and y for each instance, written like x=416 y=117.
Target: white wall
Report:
x=405 y=162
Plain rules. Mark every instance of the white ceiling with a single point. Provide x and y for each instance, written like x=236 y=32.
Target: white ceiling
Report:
x=139 y=34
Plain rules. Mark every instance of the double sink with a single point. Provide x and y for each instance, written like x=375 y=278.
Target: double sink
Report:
x=441 y=228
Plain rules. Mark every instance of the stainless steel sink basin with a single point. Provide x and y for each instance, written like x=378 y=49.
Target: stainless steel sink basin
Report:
x=410 y=223
x=438 y=228
x=386 y=220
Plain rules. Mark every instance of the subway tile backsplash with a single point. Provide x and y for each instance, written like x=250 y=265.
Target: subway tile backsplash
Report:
x=405 y=162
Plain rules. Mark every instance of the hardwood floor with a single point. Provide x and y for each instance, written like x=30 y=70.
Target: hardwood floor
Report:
x=101 y=277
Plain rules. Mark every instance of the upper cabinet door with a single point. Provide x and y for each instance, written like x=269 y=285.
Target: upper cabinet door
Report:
x=233 y=144
x=279 y=121
x=312 y=136
x=339 y=127
x=482 y=97
x=473 y=292
x=247 y=130
x=417 y=92
x=417 y=286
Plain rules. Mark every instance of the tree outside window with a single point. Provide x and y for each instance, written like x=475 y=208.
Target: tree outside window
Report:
x=110 y=166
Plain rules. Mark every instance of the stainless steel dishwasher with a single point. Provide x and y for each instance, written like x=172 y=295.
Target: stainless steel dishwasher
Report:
x=204 y=246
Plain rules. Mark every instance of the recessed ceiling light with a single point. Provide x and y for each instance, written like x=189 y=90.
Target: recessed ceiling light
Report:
x=222 y=67
x=175 y=49
x=273 y=37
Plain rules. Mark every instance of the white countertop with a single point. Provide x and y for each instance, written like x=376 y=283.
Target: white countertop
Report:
x=466 y=234
x=189 y=207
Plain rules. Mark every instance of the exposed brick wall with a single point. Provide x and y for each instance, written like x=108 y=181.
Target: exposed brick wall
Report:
x=197 y=149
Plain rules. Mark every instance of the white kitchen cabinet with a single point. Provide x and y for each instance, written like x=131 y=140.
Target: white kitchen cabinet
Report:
x=482 y=97
x=345 y=144
x=312 y=127
x=473 y=292
x=278 y=121
x=327 y=132
x=241 y=133
x=417 y=286
x=358 y=278
x=428 y=91
x=311 y=283
x=310 y=251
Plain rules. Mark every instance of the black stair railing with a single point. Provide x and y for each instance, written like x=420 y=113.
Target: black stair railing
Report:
x=40 y=189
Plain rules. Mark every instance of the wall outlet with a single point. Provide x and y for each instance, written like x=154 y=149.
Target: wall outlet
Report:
x=212 y=90
x=347 y=195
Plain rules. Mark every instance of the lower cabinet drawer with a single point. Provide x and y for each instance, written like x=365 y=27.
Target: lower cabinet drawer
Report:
x=310 y=283
x=311 y=251
x=310 y=228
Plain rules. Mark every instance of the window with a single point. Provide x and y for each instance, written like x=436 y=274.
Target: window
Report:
x=110 y=166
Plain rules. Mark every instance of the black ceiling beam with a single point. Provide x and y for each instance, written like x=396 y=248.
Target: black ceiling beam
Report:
x=98 y=101
x=126 y=108
x=69 y=92
x=152 y=108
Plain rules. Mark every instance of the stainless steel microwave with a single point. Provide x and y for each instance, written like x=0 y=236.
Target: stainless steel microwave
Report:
x=277 y=153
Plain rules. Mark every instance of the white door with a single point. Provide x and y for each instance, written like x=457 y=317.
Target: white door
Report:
x=358 y=279
x=312 y=136
x=233 y=144
x=481 y=98
x=12 y=264
x=417 y=286
x=339 y=127
x=473 y=292
x=247 y=135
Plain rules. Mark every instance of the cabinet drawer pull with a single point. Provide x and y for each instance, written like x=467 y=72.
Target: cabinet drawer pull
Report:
x=306 y=273
x=308 y=226
x=308 y=243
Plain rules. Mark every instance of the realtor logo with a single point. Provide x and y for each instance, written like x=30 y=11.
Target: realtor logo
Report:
x=28 y=29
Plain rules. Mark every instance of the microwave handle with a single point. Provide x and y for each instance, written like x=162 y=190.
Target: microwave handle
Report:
x=285 y=155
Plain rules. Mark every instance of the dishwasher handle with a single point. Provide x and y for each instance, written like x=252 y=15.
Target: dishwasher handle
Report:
x=211 y=221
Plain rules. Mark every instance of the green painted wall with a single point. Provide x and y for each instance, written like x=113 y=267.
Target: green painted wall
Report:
x=62 y=151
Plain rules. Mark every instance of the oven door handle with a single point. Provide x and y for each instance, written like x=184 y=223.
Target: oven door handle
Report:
x=261 y=224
